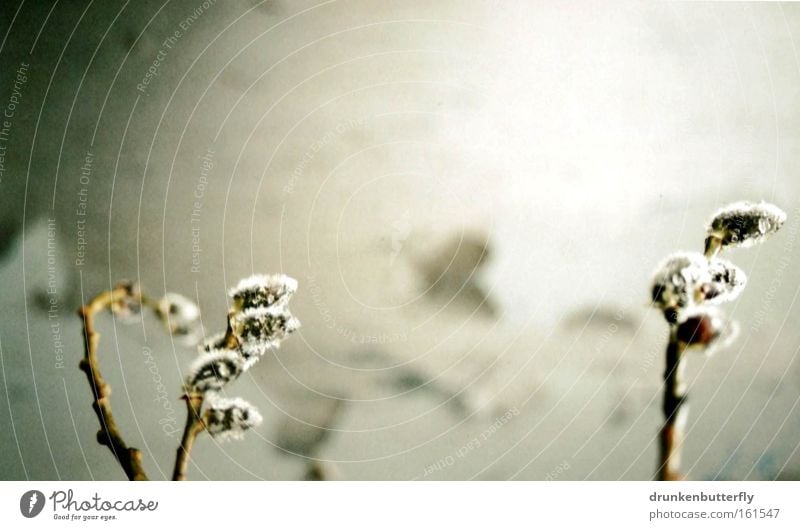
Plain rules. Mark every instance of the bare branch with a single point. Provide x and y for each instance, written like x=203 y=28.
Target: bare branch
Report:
x=109 y=434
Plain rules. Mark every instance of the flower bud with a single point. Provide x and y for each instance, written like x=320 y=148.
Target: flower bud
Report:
x=743 y=224
x=261 y=328
x=180 y=314
x=689 y=278
x=699 y=329
x=724 y=284
x=262 y=291
x=213 y=370
x=229 y=418
x=706 y=328
x=675 y=279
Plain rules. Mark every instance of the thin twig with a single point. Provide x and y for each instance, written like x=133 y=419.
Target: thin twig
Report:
x=109 y=434
x=712 y=247
x=674 y=398
x=194 y=426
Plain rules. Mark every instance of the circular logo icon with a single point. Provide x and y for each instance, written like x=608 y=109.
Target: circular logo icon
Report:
x=31 y=503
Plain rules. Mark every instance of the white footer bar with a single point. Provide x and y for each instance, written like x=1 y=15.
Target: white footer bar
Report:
x=399 y=505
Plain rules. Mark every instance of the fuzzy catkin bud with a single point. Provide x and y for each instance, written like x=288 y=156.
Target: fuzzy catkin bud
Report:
x=674 y=280
x=262 y=291
x=688 y=278
x=227 y=418
x=180 y=314
x=743 y=224
x=725 y=283
x=263 y=327
x=213 y=370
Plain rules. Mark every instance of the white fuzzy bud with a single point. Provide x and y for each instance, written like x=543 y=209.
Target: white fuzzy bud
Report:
x=261 y=328
x=744 y=224
x=726 y=282
x=263 y=291
x=180 y=314
x=688 y=278
x=229 y=418
x=213 y=370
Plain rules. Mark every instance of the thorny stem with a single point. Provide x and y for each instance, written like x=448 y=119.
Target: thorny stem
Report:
x=194 y=426
x=674 y=398
x=109 y=434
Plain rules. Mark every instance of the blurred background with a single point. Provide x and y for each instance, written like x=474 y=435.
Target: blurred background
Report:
x=472 y=196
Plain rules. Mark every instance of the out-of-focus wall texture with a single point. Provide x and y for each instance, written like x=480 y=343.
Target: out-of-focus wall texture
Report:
x=472 y=195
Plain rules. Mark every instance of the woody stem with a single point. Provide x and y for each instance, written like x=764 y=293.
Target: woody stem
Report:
x=109 y=434
x=194 y=426
x=674 y=399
